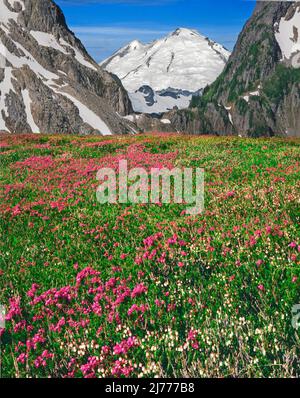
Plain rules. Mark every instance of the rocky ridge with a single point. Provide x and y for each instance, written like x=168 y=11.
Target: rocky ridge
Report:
x=48 y=81
x=258 y=93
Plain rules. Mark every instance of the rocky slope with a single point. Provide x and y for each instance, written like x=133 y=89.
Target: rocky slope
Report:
x=259 y=91
x=48 y=82
x=166 y=73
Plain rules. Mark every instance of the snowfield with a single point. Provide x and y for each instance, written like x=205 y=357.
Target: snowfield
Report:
x=183 y=60
x=287 y=36
x=161 y=103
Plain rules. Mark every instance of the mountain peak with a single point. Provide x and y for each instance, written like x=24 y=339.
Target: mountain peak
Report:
x=173 y=67
x=135 y=45
x=184 y=32
x=188 y=64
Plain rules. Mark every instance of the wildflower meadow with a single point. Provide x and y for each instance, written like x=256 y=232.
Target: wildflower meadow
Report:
x=147 y=290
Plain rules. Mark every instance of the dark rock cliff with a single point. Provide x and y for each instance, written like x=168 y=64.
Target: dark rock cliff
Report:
x=48 y=81
x=258 y=94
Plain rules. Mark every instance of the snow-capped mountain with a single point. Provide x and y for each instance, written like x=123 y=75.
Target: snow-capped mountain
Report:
x=165 y=73
x=48 y=82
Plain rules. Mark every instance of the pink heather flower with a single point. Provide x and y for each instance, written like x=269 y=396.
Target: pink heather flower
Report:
x=268 y=229
x=173 y=240
x=230 y=194
x=22 y=358
x=195 y=345
x=18 y=346
x=88 y=369
x=40 y=362
x=259 y=263
x=132 y=309
x=159 y=303
x=135 y=308
x=47 y=355
x=252 y=241
x=105 y=349
x=37 y=338
x=84 y=274
x=293 y=245
x=180 y=264
x=97 y=309
x=16 y=210
x=110 y=283
x=32 y=291
x=20 y=326
x=192 y=335
x=124 y=346
x=294 y=279
x=120 y=369
x=261 y=287
x=139 y=290
x=14 y=308
x=58 y=326
x=111 y=317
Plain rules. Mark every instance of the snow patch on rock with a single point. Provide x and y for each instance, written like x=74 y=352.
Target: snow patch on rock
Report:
x=6 y=14
x=88 y=116
x=5 y=88
x=30 y=120
x=161 y=103
x=287 y=33
x=47 y=40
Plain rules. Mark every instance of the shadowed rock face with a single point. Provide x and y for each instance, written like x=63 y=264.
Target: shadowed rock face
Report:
x=258 y=94
x=48 y=82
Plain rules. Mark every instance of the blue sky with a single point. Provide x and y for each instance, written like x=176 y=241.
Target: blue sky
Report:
x=106 y=25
